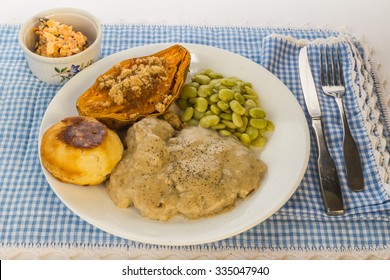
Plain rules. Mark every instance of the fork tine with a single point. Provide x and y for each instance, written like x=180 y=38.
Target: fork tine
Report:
x=327 y=67
x=341 y=78
x=334 y=70
x=322 y=69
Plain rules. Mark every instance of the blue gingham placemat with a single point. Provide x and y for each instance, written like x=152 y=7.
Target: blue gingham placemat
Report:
x=31 y=216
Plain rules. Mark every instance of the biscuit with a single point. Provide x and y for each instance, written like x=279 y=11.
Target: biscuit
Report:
x=80 y=150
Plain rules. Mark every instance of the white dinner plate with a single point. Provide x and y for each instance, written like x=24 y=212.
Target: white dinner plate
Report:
x=286 y=154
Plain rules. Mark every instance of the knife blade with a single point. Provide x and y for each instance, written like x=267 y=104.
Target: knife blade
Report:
x=327 y=172
x=308 y=85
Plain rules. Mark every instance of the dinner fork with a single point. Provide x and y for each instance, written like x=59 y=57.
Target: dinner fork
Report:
x=333 y=84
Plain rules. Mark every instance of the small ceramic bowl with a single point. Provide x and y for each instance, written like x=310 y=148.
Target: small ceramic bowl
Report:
x=58 y=70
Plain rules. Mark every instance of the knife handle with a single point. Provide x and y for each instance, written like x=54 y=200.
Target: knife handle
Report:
x=329 y=180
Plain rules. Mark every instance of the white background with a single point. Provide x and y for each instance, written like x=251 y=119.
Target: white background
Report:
x=368 y=19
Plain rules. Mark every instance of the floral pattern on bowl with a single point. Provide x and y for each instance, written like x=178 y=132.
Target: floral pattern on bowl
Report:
x=67 y=73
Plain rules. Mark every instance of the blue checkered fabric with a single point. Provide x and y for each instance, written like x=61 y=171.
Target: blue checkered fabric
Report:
x=32 y=215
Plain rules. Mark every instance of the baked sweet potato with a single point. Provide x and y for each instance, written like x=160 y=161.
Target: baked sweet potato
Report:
x=136 y=87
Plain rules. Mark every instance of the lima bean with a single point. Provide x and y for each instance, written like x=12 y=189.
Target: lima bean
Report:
x=257 y=113
x=259 y=141
x=229 y=124
x=250 y=91
x=208 y=121
x=249 y=104
x=226 y=94
x=214 y=75
x=236 y=107
x=214 y=98
x=270 y=126
x=252 y=132
x=248 y=84
x=193 y=122
x=237 y=120
x=202 y=91
x=229 y=82
x=201 y=104
x=258 y=123
x=192 y=84
x=237 y=134
x=183 y=103
x=223 y=105
x=215 y=109
x=225 y=132
x=218 y=126
x=198 y=115
x=189 y=92
x=245 y=124
x=245 y=139
x=238 y=96
x=201 y=79
x=226 y=116
x=252 y=97
x=187 y=114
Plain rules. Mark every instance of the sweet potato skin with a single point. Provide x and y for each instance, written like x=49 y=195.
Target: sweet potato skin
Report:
x=153 y=101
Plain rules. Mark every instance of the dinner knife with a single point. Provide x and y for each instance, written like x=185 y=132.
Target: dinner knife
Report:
x=329 y=180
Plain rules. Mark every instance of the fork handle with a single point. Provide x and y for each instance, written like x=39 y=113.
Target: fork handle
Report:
x=351 y=154
x=329 y=180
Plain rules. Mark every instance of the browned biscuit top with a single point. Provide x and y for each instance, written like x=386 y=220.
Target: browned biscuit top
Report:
x=81 y=133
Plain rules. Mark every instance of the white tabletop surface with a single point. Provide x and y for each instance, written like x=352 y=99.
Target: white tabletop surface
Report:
x=368 y=19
